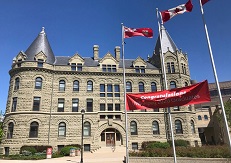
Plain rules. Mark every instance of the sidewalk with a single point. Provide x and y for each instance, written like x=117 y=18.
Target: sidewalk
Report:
x=104 y=155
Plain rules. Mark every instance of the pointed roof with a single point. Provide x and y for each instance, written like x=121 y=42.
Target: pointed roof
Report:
x=40 y=44
x=167 y=42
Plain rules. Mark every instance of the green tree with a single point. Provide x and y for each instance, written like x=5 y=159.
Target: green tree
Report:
x=227 y=106
x=1 y=131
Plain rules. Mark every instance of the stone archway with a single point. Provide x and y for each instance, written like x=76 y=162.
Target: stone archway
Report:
x=115 y=132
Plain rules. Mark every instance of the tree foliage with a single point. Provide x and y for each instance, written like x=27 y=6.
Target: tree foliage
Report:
x=1 y=131
x=227 y=106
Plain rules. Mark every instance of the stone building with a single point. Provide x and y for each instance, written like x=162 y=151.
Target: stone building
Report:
x=210 y=121
x=48 y=92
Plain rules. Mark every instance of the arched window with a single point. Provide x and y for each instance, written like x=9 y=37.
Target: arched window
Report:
x=128 y=86
x=192 y=127
x=38 y=83
x=199 y=117
x=61 y=85
x=76 y=86
x=155 y=128
x=89 y=86
x=153 y=87
x=178 y=127
x=185 y=84
x=141 y=87
x=34 y=130
x=87 y=129
x=172 y=84
x=10 y=130
x=16 y=84
x=206 y=117
x=133 y=128
x=62 y=129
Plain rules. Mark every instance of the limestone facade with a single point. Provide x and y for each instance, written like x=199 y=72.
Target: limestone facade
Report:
x=45 y=101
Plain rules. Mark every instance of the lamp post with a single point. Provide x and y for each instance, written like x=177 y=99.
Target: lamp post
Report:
x=81 y=158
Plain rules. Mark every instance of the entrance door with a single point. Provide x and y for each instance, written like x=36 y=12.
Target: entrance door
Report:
x=110 y=139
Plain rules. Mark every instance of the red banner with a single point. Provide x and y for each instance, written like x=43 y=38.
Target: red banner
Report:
x=193 y=94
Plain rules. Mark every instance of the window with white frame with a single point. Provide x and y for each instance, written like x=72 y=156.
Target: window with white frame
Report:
x=76 y=86
x=155 y=128
x=87 y=129
x=62 y=85
x=38 y=83
x=140 y=69
x=75 y=105
x=62 y=129
x=108 y=68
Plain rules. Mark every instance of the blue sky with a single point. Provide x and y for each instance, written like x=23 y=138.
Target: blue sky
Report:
x=76 y=25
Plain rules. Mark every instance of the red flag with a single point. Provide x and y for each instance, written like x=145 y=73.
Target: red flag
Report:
x=204 y=2
x=131 y=32
x=193 y=94
x=168 y=14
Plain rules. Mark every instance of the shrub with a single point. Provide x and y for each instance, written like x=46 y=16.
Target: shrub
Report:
x=199 y=152
x=65 y=151
x=158 y=145
x=180 y=143
x=26 y=149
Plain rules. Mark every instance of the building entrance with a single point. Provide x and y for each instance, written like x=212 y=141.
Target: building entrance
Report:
x=111 y=137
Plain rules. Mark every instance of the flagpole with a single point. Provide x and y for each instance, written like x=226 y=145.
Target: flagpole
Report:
x=125 y=103
x=215 y=76
x=166 y=84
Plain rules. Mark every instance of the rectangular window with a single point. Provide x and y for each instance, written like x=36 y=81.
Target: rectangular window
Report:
x=102 y=107
x=102 y=90
x=36 y=103
x=109 y=90
x=176 y=108
x=117 y=107
x=156 y=109
x=110 y=107
x=73 y=66
x=14 y=104
x=40 y=62
x=89 y=105
x=108 y=68
x=104 y=68
x=135 y=146
x=87 y=147
x=61 y=105
x=117 y=90
x=168 y=67
x=75 y=104
x=140 y=69
x=173 y=67
x=79 y=66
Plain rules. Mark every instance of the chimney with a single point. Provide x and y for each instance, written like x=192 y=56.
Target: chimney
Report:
x=117 y=53
x=96 y=52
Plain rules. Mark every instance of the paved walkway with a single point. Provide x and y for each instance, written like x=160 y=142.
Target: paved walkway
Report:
x=103 y=155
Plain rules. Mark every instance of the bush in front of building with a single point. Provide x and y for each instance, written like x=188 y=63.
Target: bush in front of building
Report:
x=65 y=151
x=153 y=145
x=197 y=152
x=180 y=143
x=34 y=149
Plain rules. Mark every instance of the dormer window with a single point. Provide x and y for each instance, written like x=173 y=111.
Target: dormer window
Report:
x=140 y=69
x=40 y=62
x=76 y=67
x=108 y=68
x=19 y=63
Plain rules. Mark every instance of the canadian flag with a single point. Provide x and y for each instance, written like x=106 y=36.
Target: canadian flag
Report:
x=168 y=14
